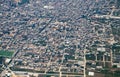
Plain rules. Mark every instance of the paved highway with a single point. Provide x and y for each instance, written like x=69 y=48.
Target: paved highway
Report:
x=52 y=74
x=7 y=67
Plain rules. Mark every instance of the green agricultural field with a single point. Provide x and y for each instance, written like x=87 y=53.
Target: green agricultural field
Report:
x=6 y=53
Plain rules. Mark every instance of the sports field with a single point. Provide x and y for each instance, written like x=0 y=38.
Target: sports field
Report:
x=6 y=53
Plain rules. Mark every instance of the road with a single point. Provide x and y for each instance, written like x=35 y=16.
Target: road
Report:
x=7 y=67
x=52 y=74
x=60 y=75
x=14 y=55
x=84 y=63
x=108 y=16
x=48 y=65
x=46 y=25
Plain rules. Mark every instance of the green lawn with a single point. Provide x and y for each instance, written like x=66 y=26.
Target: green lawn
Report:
x=6 y=53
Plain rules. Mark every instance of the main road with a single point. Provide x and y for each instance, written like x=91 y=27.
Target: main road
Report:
x=7 y=67
x=48 y=74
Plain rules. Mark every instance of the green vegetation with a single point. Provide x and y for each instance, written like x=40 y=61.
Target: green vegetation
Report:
x=90 y=57
x=116 y=31
x=72 y=73
x=116 y=48
x=114 y=66
x=108 y=73
x=115 y=27
x=40 y=43
x=28 y=70
x=6 y=53
x=47 y=76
